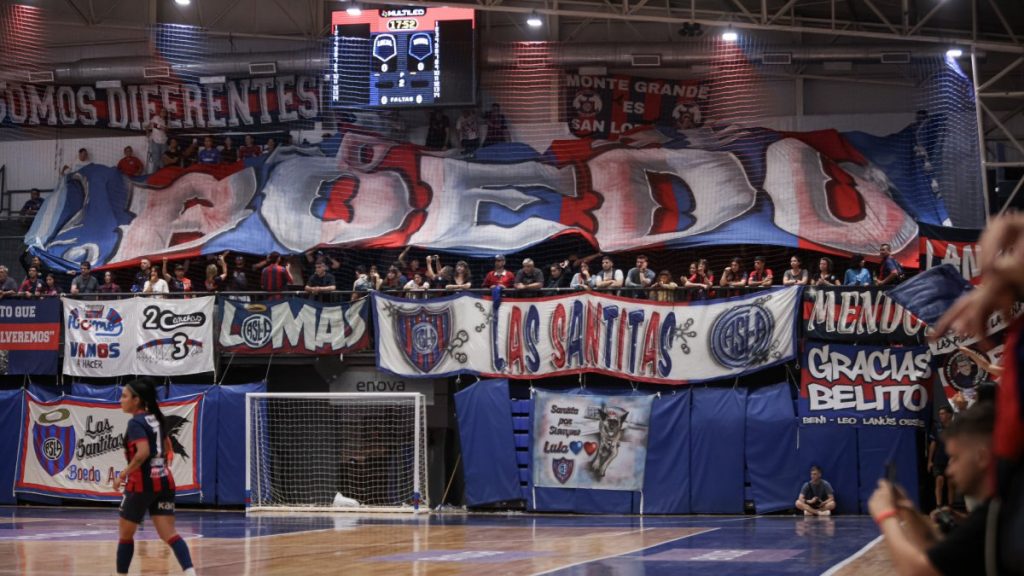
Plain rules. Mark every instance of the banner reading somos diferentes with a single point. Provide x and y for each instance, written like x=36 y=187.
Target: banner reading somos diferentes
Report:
x=667 y=343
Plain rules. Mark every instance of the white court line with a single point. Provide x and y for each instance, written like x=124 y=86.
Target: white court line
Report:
x=580 y=563
x=835 y=569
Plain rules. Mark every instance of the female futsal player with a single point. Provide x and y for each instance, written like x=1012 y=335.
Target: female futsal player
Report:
x=148 y=483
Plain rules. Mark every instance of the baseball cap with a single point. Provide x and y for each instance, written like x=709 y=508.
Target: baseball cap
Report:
x=499 y=256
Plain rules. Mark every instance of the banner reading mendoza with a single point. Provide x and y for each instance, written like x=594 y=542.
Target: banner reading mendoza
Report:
x=72 y=447
x=670 y=343
x=590 y=441
x=844 y=314
x=293 y=326
x=865 y=385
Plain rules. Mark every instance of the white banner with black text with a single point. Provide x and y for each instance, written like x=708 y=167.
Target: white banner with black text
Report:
x=667 y=343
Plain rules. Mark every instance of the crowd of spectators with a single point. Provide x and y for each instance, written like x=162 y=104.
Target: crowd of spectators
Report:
x=319 y=273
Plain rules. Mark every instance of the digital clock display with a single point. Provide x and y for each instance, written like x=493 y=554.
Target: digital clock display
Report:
x=402 y=24
x=395 y=57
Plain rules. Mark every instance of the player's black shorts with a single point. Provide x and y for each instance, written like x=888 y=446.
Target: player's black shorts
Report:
x=135 y=505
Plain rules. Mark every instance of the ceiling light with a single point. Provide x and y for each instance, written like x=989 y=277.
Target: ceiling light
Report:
x=354 y=10
x=954 y=52
x=730 y=35
x=182 y=2
x=534 y=20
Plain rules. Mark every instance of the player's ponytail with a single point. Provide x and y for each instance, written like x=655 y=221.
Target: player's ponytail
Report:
x=145 y=390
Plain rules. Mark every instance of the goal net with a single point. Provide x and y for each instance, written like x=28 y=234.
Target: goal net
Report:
x=364 y=452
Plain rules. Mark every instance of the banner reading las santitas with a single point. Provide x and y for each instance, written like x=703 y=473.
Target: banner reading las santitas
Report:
x=668 y=343
x=590 y=441
x=72 y=448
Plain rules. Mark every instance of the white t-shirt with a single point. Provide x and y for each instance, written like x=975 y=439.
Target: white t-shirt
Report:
x=157 y=130
x=158 y=287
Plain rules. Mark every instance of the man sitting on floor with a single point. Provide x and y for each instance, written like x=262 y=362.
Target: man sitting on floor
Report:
x=816 y=497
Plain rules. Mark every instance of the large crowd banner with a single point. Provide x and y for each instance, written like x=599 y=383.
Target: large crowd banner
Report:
x=590 y=441
x=650 y=189
x=861 y=315
x=153 y=336
x=667 y=343
x=865 y=385
x=294 y=326
x=74 y=447
x=609 y=105
x=955 y=246
x=30 y=335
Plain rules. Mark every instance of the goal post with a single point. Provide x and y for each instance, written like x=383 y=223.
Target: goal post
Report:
x=335 y=452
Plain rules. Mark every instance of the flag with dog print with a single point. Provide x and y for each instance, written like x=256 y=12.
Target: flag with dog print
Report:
x=589 y=440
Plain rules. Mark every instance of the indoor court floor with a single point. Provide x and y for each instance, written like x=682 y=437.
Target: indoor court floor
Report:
x=43 y=541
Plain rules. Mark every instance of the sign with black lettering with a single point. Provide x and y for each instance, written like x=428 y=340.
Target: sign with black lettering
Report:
x=367 y=379
x=955 y=246
x=865 y=385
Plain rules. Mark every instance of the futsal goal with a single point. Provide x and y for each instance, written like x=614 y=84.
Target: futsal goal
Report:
x=335 y=451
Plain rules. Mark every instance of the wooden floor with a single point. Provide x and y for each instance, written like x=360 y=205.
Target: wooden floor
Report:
x=42 y=541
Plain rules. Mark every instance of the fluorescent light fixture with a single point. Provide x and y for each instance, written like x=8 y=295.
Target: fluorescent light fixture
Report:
x=534 y=20
x=182 y=2
x=108 y=84
x=730 y=35
x=954 y=52
x=354 y=10
x=212 y=79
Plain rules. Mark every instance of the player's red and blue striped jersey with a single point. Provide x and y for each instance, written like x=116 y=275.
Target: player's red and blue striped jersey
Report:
x=275 y=278
x=155 y=474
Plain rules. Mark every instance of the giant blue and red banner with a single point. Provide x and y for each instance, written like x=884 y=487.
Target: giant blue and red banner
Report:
x=811 y=190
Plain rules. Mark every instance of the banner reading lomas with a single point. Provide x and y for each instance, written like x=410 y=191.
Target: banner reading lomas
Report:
x=293 y=326
x=590 y=441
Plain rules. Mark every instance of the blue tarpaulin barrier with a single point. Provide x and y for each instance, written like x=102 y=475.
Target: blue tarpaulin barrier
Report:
x=488 y=448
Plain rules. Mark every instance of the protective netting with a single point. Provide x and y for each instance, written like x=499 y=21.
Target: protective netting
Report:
x=531 y=109
x=306 y=450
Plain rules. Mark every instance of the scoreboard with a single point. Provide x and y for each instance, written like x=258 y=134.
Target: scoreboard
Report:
x=400 y=57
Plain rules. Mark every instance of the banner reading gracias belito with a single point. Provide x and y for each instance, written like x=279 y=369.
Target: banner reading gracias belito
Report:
x=865 y=385
x=668 y=343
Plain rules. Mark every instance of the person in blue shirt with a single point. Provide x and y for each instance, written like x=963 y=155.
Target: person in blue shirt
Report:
x=857 y=274
x=209 y=154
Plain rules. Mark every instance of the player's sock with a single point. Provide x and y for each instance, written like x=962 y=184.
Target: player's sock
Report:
x=125 y=551
x=180 y=551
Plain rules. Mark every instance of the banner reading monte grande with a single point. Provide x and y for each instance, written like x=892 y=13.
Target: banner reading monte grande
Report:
x=607 y=106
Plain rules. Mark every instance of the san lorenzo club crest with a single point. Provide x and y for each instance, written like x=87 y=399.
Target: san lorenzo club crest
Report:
x=54 y=445
x=742 y=336
x=562 y=468
x=424 y=336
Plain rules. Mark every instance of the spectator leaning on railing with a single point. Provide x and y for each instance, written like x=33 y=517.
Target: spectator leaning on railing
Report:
x=85 y=282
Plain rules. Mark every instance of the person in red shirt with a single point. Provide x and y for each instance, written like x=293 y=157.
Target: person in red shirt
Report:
x=499 y=276
x=760 y=275
x=147 y=479
x=250 y=150
x=130 y=165
x=274 y=277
